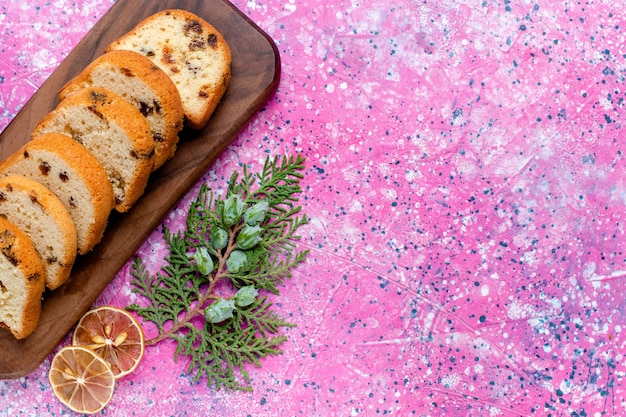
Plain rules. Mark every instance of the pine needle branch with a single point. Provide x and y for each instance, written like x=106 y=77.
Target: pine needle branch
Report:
x=245 y=238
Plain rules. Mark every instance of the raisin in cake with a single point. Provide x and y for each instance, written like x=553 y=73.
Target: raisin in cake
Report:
x=191 y=51
x=114 y=131
x=74 y=175
x=37 y=212
x=135 y=78
x=22 y=281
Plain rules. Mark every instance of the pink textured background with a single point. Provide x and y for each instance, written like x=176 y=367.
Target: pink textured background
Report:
x=466 y=188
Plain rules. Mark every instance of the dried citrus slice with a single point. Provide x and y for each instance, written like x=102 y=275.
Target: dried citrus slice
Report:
x=81 y=379
x=115 y=335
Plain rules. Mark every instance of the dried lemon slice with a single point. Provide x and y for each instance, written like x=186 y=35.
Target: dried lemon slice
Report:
x=81 y=379
x=115 y=335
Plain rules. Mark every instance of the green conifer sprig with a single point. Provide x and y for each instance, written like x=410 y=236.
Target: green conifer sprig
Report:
x=245 y=238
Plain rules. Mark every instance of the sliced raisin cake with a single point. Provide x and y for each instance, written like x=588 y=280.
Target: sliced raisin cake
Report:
x=41 y=216
x=22 y=281
x=114 y=131
x=142 y=83
x=191 y=51
x=74 y=175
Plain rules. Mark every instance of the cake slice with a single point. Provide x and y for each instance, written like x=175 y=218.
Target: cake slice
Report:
x=135 y=78
x=22 y=281
x=191 y=51
x=41 y=216
x=114 y=131
x=74 y=175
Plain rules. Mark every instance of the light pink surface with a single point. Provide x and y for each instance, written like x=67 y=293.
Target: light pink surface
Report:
x=466 y=188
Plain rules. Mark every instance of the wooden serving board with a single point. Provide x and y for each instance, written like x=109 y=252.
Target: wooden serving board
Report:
x=255 y=77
